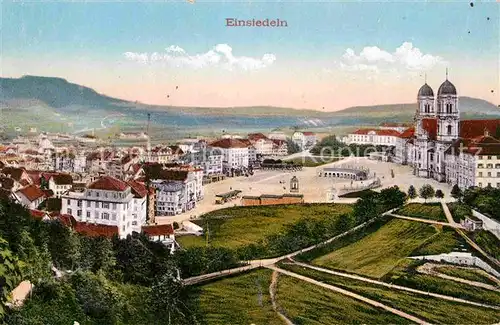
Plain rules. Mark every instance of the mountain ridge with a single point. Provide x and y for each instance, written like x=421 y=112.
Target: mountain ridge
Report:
x=59 y=93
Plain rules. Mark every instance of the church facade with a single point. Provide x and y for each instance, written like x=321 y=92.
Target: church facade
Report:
x=443 y=147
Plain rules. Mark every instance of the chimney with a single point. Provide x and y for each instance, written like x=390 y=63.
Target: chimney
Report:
x=486 y=132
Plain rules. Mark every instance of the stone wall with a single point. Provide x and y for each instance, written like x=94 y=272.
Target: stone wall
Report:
x=272 y=200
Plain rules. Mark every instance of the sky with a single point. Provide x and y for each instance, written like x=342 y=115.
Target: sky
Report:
x=331 y=55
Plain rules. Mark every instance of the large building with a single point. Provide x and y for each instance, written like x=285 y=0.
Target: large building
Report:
x=383 y=137
x=108 y=201
x=445 y=148
x=235 y=154
x=305 y=140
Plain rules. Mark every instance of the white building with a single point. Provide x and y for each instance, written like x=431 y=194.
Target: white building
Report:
x=235 y=154
x=277 y=135
x=263 y=145
x=107 y=201
x=30 y=196
x=177 y=191
x=60 y=183
x=305 y=140
x=375 y=137
x=446 y=148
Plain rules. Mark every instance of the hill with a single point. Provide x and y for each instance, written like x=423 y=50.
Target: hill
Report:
x=58 y=93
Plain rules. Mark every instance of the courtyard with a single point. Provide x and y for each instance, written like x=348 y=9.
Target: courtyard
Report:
x=314 y=188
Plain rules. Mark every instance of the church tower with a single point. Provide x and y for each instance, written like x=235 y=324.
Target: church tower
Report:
x=425 y=111
x=448 y=123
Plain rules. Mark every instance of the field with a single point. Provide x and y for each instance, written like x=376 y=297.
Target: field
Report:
x=238 y=226
x=243 y=299
x=432 y=211
x=459 y=211
x=430 y=309
x=405 y=274
x=377 y=253
x=306 y=303
x=471 y=274
x=488 y=242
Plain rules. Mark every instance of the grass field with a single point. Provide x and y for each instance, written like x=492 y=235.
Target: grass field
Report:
x=245 y=225
x=357 y=194
x=377 y=253
x=243 y=299
x=477 y=275
x=305 y=303
x=405 y=274
x=488 y=242
x=459 y=210
x=432 y=211
x=433 y=310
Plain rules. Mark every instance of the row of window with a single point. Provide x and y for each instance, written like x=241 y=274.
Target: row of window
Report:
x=104 y=205
x=106 y=195
x=489 y=185
x=488 y=174
x=488 y=166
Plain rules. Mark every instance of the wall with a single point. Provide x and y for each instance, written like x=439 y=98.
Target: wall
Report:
x=488 y=223
x=271 y=200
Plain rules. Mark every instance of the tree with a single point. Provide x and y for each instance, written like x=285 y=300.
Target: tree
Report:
x=439 y=194
x=426 y=192
x=456 y=193
x=96 y=253
x=64 y=245
x=175 y=225
x=10 y=274
x=292 y=147
x=344 y=223
x=169 y=301
x=412 y=192
x=390 y=198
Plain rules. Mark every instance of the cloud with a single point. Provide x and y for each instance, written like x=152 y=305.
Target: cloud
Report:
x=374 y=59
x=221 y=55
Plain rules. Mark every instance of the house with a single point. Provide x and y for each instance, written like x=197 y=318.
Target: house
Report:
x=60 y=183
x=280 y=147
x=177 y=189
x=30 y=196
x=235 y=154
x=305 y=140
x=472 y=223
x=107 y=201
x=18 y=174
x=40 y=215
x=375 y=137
x=263 y=145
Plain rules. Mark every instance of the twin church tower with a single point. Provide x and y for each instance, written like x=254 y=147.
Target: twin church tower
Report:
x=437 y=126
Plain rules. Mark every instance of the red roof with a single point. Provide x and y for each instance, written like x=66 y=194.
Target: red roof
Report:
x=108 y=183
x=308 y=133
x=32 y=192
x=158 y=230
x=138 y=189
x=66 y=219
x=474 y=128
x=256 y=136
x=379 y=132
x=408 y=133
x=230 y=143
x=37 y=214
x=95 y=230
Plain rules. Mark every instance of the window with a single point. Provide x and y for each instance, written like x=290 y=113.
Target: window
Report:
x=497 y=166
x=449 y=129
x=97 y=194
x=123 y=228
x=134 y=223
x=113 y=216
x=479 y=165
x=105 y=216
x=69 y=211
x=88 y=214
x=480 y=174
x=489 y=174
x=69 y=202
x=123 y=218
x=498 y=185
x=79 y=213
x=96 y=215
x=105 y=205
x=480 y=184
x=114 y=206
x=88 y=204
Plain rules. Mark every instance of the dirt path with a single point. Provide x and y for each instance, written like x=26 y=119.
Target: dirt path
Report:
x=350 y=294
x=272 y=292
x=434 y=222
x=397 y=287
x=433 y=269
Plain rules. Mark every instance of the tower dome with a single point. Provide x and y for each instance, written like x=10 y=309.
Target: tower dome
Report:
x=425 y=91
x=447 y=88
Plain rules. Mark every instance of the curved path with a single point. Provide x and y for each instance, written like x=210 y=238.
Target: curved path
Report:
x=272 y=293
x=397 y=287
x=430 y=268
x=253 y=264
x=350 y=294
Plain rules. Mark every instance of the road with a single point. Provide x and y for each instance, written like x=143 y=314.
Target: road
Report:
x=350 y=294
x=396 y=287
x=434 y=222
